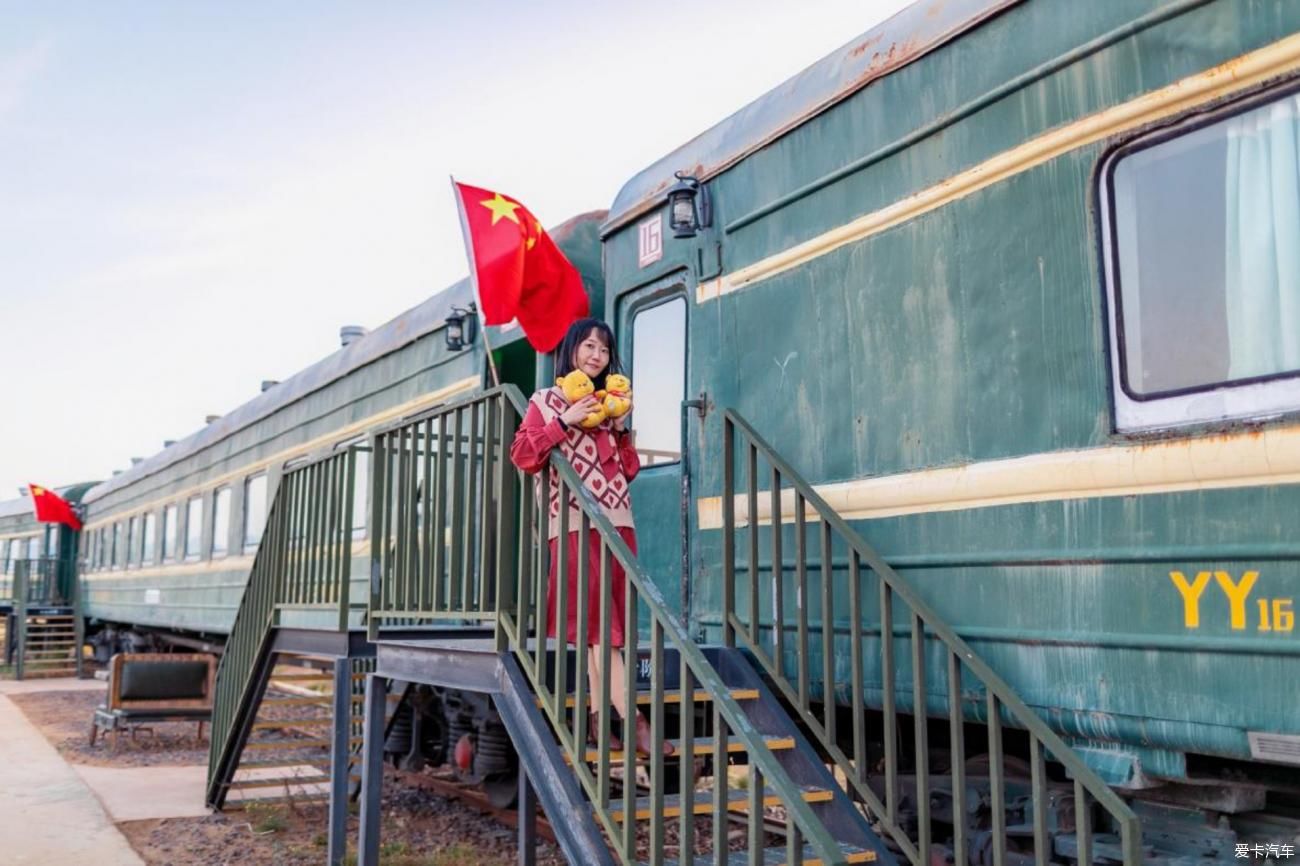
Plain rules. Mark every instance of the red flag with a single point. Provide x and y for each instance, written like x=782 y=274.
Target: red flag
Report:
x=519 y=272
x=50 y=507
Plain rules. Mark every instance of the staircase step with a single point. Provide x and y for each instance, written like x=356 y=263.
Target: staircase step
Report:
x=288 y=745
x=236 y=803
x=776 y=857
x=702 y=746
x=289 y=762
x=737 y=801
x=280 y=725
x=675 y=697
x=309 y=678
x=322 y=701
x=241 y=784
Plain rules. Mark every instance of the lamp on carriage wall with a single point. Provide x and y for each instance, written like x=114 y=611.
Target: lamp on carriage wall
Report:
x=689 y=208
x=462 y=325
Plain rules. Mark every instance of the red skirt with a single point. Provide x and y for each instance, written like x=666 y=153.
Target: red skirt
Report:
x=618 y=587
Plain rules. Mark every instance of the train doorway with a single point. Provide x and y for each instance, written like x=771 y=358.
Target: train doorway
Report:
x=652 y=333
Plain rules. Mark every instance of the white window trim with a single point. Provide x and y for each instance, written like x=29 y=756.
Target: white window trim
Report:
x=1255 y=401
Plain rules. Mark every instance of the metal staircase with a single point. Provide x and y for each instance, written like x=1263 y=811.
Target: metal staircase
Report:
x=458 y=564
x=296 y=611
x=459 y=538
x=46 y=624
x=947 y=679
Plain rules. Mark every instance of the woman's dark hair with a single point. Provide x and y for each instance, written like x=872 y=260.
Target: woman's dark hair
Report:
x=568 y=348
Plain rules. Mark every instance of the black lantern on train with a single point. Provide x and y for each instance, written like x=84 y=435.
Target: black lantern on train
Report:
x=689 y=208
x=462 y=325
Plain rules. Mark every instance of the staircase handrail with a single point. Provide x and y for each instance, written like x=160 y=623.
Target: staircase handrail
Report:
x=999 y=693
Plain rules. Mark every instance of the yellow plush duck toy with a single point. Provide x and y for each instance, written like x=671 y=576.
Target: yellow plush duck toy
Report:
x=577 y=385
x=618 y=395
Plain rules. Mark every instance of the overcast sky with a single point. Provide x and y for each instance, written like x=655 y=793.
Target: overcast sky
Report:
x=195 y=196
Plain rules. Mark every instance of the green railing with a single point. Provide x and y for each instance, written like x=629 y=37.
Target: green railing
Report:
x=483 y=555
x=37 y=582
x=442 y=514
x=785 y=494
x=303 y=562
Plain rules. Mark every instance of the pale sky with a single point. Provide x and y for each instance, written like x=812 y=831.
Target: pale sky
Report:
x=196 y=196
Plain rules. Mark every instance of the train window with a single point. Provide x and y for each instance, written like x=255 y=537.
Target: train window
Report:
x=51 y=541
x=193 y=528
x=360 y=490
x=254 y=511
x=6 y=547
x=220 y=522
x=169 y=533
x=132 y=534
x=34 y=547
x=1201 y=224
x=659 y=380
x=103 y=547
x=115 y=556
x=150 y=535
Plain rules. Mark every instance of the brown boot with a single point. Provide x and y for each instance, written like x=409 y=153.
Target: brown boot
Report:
x=593 y=733
x=643 y=741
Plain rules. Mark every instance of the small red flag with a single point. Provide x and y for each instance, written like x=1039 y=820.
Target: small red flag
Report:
x=518 y=271
x=50 y=507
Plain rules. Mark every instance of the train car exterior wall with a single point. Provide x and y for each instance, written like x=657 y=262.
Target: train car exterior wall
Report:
x=904 y=293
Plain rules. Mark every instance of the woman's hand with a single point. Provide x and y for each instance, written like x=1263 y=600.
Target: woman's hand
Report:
x=620 y=423
x=580 y=410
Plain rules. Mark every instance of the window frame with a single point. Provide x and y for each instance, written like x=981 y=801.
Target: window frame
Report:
x=193 y=521
x=172 y=526
x=676 y=291
x=1135 y=412
x=148 y=557
x=132 y=539
x=360 y=491
x=245 y=547
x=213 y=552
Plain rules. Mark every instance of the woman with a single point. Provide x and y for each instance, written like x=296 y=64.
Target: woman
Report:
x=605 y=459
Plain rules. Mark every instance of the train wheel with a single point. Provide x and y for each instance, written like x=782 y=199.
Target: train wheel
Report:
x=502 y=789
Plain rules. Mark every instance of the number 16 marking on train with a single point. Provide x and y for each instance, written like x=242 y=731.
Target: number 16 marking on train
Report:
x=1275 y=614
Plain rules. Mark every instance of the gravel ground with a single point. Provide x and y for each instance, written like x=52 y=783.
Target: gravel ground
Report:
x=64 y=719
x=419 y=829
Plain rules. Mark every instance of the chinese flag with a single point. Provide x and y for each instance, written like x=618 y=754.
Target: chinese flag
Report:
x=52 y=508
x=518 y=270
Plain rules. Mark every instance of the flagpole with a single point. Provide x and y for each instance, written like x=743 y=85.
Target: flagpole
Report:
x=473 y=280
x=492 y=364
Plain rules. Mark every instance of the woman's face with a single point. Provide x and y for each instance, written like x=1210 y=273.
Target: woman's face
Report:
x=592 y=356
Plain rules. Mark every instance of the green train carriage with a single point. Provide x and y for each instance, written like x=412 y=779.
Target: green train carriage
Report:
x=984 y=278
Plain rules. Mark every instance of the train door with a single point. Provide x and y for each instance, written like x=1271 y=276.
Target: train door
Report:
x=653 y=342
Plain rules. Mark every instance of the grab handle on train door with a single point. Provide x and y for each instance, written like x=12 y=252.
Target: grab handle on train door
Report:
x=701 y=407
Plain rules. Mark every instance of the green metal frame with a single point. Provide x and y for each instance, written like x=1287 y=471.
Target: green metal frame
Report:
x=303 y=561
x=1001 y=704
x=46 y=590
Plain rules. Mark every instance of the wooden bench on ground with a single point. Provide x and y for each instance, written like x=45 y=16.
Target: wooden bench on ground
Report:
x=155 y=687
